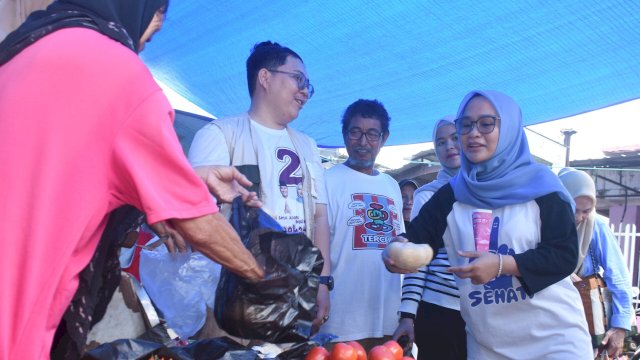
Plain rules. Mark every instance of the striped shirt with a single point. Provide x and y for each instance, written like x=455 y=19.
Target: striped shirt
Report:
x=432 y=283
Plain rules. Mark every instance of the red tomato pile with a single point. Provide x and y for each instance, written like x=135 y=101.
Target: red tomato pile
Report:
x=317 y=353
x=362 y=354
x=352 y=350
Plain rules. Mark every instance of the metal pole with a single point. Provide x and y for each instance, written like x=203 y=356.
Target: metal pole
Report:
x=567 y=143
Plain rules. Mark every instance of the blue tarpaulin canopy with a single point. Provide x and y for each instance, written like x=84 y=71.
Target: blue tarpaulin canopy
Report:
x=556 y=58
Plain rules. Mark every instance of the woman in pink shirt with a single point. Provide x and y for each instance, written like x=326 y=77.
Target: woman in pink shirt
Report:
x=85 y=129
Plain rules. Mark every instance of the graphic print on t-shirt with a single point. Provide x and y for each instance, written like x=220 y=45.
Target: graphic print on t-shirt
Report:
x=499 y=290
x=289 y=210
x=375 y=220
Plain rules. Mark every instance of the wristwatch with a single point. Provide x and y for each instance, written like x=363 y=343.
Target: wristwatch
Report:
x=328 y=281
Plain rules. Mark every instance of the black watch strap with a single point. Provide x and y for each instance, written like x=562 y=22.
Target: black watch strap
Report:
x=328 y=281
x=406 y=315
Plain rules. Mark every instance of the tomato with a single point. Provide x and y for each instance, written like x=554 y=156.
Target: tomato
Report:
x=381 y=352
x=318 y=353
x=342 y=351
x=362 y=354
x=395 y=348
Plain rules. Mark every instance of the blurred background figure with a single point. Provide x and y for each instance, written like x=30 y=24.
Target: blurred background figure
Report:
x=407 y=188
x=600 y=253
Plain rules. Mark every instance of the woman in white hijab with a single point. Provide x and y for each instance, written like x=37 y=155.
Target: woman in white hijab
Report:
x=598 y=244
x=430 y=308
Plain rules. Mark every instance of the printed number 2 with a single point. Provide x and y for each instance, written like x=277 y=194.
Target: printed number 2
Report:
x=292 y=167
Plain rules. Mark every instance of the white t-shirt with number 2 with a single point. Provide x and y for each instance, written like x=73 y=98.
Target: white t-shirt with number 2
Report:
x=281 y=188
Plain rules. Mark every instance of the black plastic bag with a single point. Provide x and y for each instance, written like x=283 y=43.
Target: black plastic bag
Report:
x=217 y=348
x=126 y=349
x=280 y=307
x=209 y=349
x=299 y=351
x=158 y=334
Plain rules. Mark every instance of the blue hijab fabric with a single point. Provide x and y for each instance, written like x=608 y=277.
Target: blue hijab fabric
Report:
x=511 y=176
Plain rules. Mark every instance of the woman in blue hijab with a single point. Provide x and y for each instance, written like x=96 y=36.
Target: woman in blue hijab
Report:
x=515 y=293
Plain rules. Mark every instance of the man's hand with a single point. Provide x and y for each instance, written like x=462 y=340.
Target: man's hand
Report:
x=226 y=183
x=613 y=342
x=323 y=308
x=214 y=237
x=170 y=237
x=405 y=327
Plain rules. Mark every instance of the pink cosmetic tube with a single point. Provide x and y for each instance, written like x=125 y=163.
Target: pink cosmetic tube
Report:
x=481 y=228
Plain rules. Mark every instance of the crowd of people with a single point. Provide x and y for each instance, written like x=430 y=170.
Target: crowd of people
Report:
x=92 y=125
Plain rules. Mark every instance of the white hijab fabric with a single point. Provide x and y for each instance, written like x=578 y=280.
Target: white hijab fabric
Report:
x=579 y=183
x=445 y=173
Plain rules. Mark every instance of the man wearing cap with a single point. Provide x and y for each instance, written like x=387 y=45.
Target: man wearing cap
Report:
x=407 y=188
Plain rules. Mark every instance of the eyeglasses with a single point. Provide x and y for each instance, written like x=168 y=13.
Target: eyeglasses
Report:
x=301 y=81
x=485 y=124
x=356 y=134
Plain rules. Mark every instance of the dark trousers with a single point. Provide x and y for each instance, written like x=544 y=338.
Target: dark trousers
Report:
x=439 y=333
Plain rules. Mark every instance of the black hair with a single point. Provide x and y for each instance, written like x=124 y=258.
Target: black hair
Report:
x=366 y=109
x=266 y=55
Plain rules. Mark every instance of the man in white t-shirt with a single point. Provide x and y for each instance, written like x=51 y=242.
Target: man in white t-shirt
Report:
x=275 y=157
x=365 y=213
